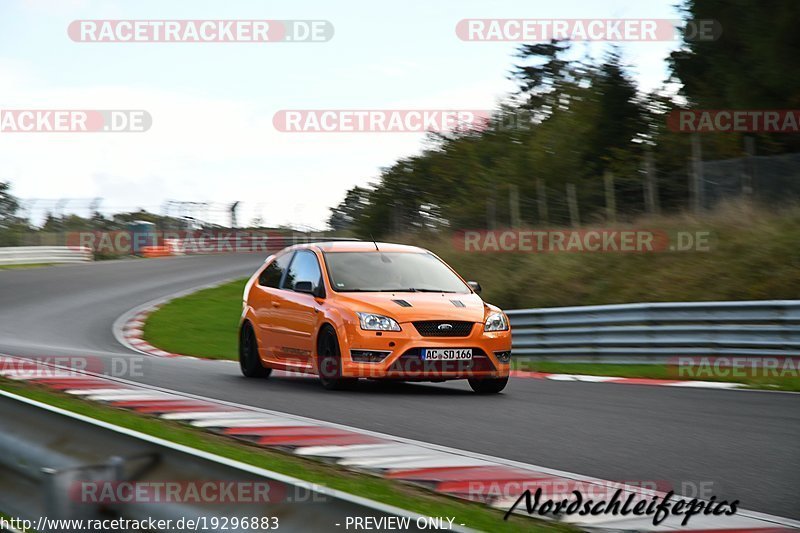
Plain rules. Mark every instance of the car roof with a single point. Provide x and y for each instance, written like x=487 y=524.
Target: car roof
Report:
x=358 y=246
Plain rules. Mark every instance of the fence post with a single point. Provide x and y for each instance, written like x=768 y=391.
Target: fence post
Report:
x=572 y=202
x=513 y=201
x=651 y=202
x=541 y=200
x=749 y=166
x=491 y=211
x=696 y=171
x=611 y=200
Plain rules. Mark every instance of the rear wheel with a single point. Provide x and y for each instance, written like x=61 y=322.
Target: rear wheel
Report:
x=329 y=362
x=249 y=361
x=488 y=385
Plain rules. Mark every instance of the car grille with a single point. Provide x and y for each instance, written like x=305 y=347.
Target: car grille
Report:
x=411 y=363
x=435 y=328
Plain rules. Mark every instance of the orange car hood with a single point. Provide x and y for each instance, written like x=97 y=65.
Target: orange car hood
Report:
x=424 y=305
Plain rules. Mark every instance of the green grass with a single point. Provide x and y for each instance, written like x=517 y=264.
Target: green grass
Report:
x=203 y=324
x=402 y=495
x=769 y=382
x=32 y=265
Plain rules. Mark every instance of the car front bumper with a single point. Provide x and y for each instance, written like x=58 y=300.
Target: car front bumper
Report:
x=403 y=359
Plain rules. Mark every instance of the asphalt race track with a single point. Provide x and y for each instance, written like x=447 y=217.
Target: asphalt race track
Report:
x=747 y=443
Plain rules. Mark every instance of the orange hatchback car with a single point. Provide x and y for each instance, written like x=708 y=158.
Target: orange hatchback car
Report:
x=350 y=310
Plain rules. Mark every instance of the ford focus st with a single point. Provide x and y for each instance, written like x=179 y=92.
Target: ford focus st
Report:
x=350 y=310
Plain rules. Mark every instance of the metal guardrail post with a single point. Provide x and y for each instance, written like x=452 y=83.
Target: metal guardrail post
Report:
x=62 y=491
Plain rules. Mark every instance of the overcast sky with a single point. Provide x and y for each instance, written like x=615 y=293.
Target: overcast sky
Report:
x=212 y=138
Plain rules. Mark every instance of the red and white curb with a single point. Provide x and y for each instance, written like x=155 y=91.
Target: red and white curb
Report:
x=128 y=328
x=133 y=334
x=628 y=381
x=493 y=481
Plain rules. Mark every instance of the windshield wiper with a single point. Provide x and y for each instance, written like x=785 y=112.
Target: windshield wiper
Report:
x=359 y=290
x=416 y=289
x=410 y=289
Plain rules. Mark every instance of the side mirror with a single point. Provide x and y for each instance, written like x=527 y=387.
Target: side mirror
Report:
x=304 y=286
x=475 y=286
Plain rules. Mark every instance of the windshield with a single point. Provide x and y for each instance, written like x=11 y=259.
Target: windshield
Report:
x=390 y=272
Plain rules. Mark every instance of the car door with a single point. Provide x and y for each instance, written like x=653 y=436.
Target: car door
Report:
x=299 y=309
x=266 y=298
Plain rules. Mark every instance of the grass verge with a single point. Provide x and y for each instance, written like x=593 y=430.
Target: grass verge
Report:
x=773 y=381
x=19 y=267
x=405 y=496
x=752 y=255
x=203 y=324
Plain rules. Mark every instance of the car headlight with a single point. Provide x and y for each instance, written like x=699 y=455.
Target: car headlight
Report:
x=377 y=322
x=496 y=322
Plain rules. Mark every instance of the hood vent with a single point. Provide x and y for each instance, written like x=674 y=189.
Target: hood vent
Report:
x=457 y=303
x=402 y=303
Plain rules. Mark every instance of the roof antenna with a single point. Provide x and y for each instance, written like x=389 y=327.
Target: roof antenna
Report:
x=384 y=259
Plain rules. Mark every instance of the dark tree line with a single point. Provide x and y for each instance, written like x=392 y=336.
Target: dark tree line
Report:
x=575 y=120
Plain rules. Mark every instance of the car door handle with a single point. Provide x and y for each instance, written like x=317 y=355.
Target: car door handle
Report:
x=276 y=304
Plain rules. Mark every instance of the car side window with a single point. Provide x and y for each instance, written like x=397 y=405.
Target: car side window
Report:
x=305 y=267
x=272 y=275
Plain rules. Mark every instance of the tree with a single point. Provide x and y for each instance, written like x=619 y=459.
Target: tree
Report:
x=620 y=117
x=754 y=64
x=11 y=226
x=9 y=206
x=544 y=74
x=344 y=215
x=51 y=224
x=576 y=120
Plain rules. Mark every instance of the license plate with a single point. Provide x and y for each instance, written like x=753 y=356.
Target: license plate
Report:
x=447 y=354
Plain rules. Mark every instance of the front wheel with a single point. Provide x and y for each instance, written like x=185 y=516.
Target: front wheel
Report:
x=329 y=362
x=249 y=361
x=488 y=385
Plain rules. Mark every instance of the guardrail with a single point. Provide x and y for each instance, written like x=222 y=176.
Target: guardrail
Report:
x=28 y=255
x=654 y=331
x=249 y=243
x=59 y=465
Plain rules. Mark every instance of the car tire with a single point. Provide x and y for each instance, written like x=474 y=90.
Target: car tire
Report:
x=488 y=385
x=329 y=362
x=249 y=361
